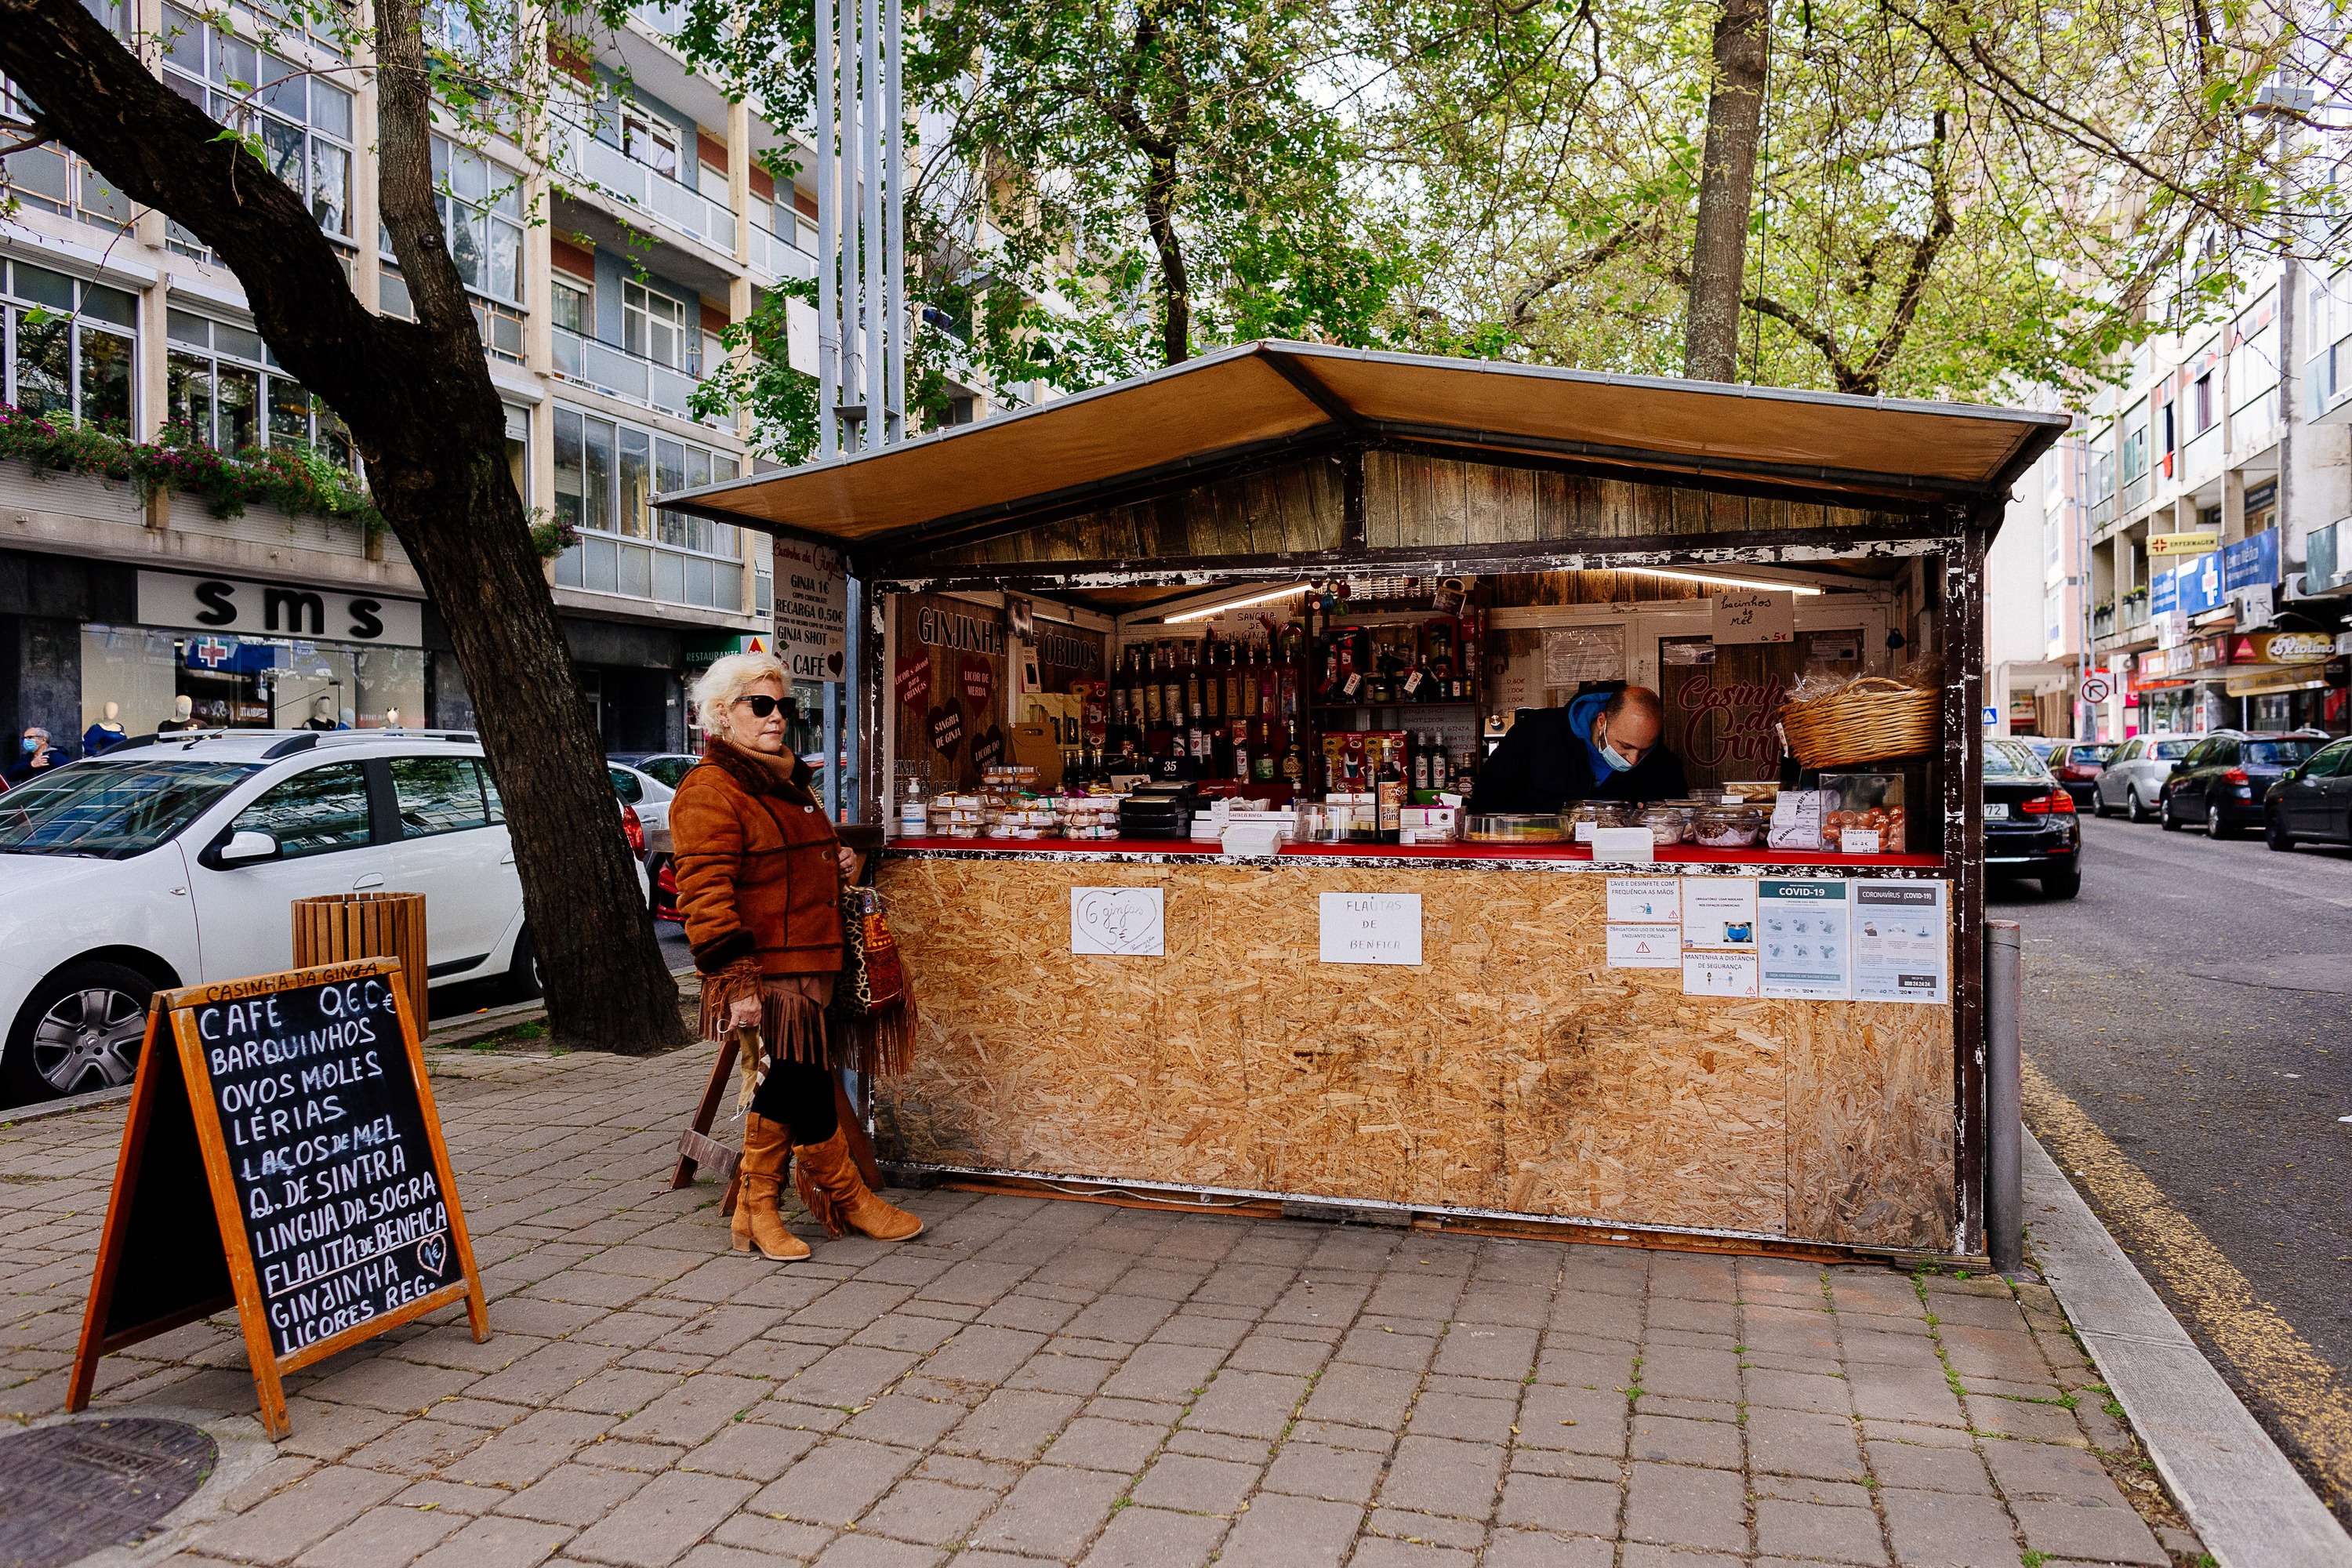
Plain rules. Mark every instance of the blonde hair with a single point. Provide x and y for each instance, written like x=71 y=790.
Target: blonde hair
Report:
x=727 y=679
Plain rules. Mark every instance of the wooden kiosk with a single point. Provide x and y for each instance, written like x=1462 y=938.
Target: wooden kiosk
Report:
x=1517 y=1072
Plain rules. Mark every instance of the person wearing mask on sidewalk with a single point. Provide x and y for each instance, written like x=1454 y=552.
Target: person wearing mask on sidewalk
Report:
x=760 y=871
x=36 y=757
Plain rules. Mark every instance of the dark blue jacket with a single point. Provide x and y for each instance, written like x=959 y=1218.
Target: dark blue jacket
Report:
x=1547 y=762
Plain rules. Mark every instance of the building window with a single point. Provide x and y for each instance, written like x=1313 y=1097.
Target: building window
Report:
x=303 y=121
x=653 y=326
x=606 y=474
x=572 y=307
x=223 y=387
x=651 y=141
x=68 y=345
x=2203 y=400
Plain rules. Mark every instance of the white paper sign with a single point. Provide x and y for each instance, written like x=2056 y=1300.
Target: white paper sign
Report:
x=1644 y=946
x=812 y=610
x=1900 y=953
x=1629 y=846
x=1650 y=899
x=1370 y=928
x=1125 y=922
x=1804 y=937
x=1719 y=911
x=1796 y=820
x=1718 y=975
x=1754 y=615
x=1573 y=655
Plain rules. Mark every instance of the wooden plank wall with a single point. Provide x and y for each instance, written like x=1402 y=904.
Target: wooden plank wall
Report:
x=1512 y=1070
x=1409 y=499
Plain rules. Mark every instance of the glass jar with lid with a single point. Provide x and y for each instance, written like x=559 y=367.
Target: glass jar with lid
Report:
x=1669 y=822
x=1729 y=826
x=1585 y=815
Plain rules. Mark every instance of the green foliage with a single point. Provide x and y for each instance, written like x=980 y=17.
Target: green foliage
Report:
x=294 y=482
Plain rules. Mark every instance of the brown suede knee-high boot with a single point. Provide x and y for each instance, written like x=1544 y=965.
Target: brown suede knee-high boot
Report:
x=767 y=1146
x=838 y=1196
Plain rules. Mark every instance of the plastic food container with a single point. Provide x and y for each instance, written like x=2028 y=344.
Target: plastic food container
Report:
x=1322 y=821
x=1585 y=815
x=1870 y=806
x=1515 y=827
x=1729 y=826
x=1668 y=823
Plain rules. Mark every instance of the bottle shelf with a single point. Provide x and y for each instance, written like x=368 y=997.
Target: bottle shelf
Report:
x=1362 y=706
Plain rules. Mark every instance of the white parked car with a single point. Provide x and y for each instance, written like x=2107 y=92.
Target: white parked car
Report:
x=2133 y=780
x=173 y=862
x=642 y=792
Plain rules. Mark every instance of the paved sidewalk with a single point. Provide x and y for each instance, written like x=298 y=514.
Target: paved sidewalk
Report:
x=1034 y=1381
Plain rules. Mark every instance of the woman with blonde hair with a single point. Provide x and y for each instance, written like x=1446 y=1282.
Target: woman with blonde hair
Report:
x=760 y=872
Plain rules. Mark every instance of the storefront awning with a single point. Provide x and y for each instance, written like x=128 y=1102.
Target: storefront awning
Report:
x=1265 y=396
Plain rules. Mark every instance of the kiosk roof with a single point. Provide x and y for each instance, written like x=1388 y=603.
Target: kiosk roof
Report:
x=1266 y=396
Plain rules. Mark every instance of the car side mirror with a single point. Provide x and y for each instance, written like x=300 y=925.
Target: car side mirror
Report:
x=247 y=846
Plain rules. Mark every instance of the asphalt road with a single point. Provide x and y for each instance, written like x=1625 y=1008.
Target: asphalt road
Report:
x=2187 y=1028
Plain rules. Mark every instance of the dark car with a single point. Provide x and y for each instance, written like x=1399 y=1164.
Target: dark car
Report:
x=2029 y=821
x=2313 y=800
x=2223 y=780
x=2077 y=765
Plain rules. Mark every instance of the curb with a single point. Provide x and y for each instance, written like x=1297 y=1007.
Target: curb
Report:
x=2241 y=1497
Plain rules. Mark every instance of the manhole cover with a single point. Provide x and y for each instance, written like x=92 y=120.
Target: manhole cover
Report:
x=67 y=1491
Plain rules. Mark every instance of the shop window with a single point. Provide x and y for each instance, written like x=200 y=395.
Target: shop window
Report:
x=67 y=343
x=318 y=810
x=437 y=794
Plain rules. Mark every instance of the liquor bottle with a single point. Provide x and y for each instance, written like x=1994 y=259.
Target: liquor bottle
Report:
x=1421 y=762
x=1172 y=688
x=1440 y=775
x=1155 y=710
x=1387 y=797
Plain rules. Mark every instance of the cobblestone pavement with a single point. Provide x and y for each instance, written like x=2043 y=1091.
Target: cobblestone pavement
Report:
x=1040 y=1380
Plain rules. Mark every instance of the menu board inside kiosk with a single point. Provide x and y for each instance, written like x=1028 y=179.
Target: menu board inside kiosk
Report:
x=297 y=1102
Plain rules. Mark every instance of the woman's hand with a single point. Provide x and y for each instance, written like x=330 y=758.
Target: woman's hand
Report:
x=848 y=858
x=742 y=1013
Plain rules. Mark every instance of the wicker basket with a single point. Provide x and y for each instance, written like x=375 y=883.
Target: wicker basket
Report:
x=1868 y=720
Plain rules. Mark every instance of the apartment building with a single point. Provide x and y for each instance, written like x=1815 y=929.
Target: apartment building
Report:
x=2193 y=522
x=598 y=324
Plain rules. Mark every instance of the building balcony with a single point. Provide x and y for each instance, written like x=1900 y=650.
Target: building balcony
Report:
x=639 y=186
x=2103 y=620
x=2136 y=493
x=2103 y=512
x=774 y=258
x=630 y=377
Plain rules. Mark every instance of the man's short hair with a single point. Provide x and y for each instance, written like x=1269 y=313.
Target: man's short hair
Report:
x=1640 y=698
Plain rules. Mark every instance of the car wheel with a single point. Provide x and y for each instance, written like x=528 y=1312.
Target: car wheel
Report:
x=522 y=974
x=2275 y=833
x=2214 y=826
x=2062 y=884
x=2099 y=803
x=2164 y=815
x=79 y=1031
x=2132 y=807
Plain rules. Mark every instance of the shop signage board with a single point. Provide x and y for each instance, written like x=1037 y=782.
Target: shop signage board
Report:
x=1369 y=928
x=282 y=1155
x=1899 y=954
x=232 y=605
x=1754 y=616
x=812 y=610
x=2199 y=584
x=2252 y=561
x=2196 y=543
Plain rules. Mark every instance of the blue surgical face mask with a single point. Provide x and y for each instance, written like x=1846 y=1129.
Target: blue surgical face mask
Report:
x=31 y=745
x=1617 y=765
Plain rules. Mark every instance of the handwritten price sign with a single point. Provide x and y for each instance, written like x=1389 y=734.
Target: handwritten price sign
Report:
x=1754 y=616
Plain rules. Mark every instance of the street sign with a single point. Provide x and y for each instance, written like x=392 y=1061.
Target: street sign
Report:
x=2203 y=543
x=2095 y=688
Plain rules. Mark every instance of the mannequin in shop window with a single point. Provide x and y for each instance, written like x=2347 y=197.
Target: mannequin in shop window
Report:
x=322 y=715
x=104 y=733
x=184 y=717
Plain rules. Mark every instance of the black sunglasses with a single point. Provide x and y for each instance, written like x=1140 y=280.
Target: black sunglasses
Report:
x=763 y=706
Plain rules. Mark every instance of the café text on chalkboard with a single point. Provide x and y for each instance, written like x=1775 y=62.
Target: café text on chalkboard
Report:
x=342 y=1209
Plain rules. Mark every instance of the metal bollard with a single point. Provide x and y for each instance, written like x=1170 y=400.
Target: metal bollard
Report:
x=2004 y=1070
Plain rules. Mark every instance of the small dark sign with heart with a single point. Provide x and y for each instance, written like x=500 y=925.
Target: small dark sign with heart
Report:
x=947 y=729
x=834 y=662
x=979 y=681
x=987 y=749
x=914 y=675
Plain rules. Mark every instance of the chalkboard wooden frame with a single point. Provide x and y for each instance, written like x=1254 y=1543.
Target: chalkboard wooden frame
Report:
x=176 y=1083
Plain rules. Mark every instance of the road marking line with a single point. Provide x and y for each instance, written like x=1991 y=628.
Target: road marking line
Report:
x=2276 y=1362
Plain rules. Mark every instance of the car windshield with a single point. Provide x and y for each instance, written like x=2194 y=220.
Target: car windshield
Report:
x=112 y=811
x=2169 y=750
x=2012 y=760
x=2090 y=756
x=2278 y=754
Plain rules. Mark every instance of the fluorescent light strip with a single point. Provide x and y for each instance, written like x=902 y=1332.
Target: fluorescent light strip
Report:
x=1724 y=582
x=1233 y=604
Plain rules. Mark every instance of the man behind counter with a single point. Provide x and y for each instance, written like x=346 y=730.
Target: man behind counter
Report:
x=1605 y=745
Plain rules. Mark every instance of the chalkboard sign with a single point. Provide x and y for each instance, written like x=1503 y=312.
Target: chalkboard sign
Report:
x=298 y=1103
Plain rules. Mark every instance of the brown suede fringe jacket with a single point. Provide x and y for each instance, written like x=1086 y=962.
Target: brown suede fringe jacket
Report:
x=760 y=891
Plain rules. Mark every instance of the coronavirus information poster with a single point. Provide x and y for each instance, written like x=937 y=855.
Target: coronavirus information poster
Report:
x=1804 y=938
x=1900 y=951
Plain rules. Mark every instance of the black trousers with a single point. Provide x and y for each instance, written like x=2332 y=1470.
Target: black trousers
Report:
x=800 y=1095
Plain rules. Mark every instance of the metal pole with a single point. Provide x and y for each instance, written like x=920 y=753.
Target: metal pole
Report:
x=893 y=233
x=828 y=207
x=2004 y=1124
x=869 y=168
x=853 y=172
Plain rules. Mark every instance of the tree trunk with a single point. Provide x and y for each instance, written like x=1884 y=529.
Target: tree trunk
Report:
x=420 y=404
x=1727 y=189
x=1175 y=283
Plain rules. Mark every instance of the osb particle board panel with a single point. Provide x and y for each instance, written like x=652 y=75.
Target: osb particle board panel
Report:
x=1513 y=1070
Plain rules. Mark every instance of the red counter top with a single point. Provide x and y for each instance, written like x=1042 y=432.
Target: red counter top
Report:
x=1451 y=851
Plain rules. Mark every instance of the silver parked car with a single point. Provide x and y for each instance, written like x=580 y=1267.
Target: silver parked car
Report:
x=2133 y=780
